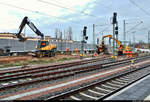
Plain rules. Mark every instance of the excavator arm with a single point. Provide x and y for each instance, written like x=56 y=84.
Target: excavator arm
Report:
x=110 y=36
x=120 y=48
x=103 y=48
x=31 y=25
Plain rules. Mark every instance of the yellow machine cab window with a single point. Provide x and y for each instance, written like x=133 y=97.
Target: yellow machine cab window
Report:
x=42 y=43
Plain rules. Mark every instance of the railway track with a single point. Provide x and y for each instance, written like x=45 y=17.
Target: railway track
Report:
x=23 y=69
x=24 y=76
x=54 y=73
x=60 y=74
x=105 y=88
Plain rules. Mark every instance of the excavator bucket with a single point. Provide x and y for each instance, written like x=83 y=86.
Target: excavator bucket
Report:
x=21 y=39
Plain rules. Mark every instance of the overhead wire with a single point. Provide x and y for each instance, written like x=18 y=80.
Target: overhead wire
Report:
x=41 y=13
x=147 y=13
x=17 y=7
x=142 y=9
x=134 y=27
x=106 y=28
x=38 y=12
x=71 y=9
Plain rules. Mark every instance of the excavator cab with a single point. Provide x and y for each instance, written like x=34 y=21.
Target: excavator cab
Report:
x=42 y=43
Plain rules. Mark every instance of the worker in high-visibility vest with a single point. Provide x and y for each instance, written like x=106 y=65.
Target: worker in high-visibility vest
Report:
x=76 y=50
x=115 y=57
x=132 y=63
x=112 y=57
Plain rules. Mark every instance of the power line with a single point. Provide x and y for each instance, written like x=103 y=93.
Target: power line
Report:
x=147 y=13
x=57 y=5
x=41 y=13
x=105 y=29
x=38 y=12
x=134 y=27
x=17 y=7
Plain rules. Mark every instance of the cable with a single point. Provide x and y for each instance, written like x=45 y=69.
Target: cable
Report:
x=41 y=13
x=134 y=27
x=17 y=7
x=106 y=28
x=147 y=13
x=34 y=11
x=82 y=12
x=10 y=5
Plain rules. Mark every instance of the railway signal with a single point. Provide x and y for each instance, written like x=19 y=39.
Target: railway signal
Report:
x=84 y=34
x=84 y=31
x=85 y=37
x=115 y=18
x=116 y=30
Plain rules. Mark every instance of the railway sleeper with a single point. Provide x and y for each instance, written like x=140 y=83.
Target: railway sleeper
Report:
x=104 y=92
x=101 y=93
x=113 y=85
x=121 y=81
x=108 y=86
x=95 y=92
x=88 y=96
x=116 y=82
x=127 y=77
x=82 y=97
x=73 y=98
x=91 y=93
x=103 y=89
x=124 y=79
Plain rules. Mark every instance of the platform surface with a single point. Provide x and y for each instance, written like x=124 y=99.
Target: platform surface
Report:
x=137 y=91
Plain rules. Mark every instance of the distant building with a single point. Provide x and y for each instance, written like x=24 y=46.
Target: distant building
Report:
x=7 y=35
x=47 y=37
x=9 y=40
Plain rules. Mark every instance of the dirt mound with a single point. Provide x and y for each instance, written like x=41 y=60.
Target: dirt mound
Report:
x=14 y=59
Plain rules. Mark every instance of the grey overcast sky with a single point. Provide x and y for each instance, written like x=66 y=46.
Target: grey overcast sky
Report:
x=50 y=14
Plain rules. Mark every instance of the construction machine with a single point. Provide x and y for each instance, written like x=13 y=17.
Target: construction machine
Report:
x=128 y=52
x=44 y=47
x=103 y=49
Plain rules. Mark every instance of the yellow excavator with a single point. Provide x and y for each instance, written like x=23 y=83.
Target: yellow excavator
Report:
x=103 y=49
x=44 y=47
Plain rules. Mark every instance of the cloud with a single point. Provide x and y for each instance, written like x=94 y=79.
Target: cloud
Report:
x=75 y=13
x=14 y=10
x=7 y=21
